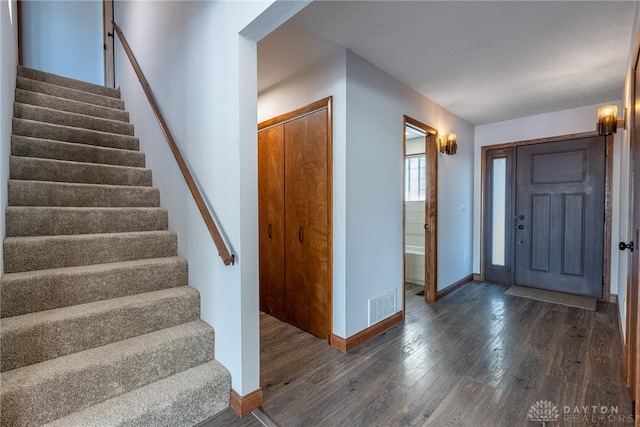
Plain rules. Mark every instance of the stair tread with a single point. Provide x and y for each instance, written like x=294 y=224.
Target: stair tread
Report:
x=82 y=269
x=45 y=252
x=38 y=86
x=26 y=146
x=68 y=82
x=30 y=97
x=73 y=163
x=79 y=380
x=16 y=378
x=36 y=168
x=80 y=184
x=55 y=220
x=88 y=209
x=37 y=129
x=125 y=235
x=39 y=290
x=82 y=310
x=71 y=119
x=133 y=408
x=35 y=337
x=22 y=193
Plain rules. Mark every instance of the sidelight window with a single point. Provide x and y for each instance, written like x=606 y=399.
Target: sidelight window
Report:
x=498 y=211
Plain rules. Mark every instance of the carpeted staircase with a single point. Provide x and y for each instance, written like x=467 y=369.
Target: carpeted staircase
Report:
x=99 y=326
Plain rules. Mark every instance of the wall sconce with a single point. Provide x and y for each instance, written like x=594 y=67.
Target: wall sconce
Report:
x=608 y=120
x=449 y=145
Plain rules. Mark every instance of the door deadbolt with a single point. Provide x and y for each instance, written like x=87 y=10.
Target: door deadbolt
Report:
x=622 y=246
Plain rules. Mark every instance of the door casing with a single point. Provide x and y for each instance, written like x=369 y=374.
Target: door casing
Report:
x=606 y=290
x=109 y=51
x=431 y=211
x=632 y=339
x=325 y=103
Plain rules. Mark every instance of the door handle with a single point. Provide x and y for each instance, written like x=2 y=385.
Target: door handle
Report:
x=622 y=246
x=269 y=231
x=300 y=236
x=426 y=226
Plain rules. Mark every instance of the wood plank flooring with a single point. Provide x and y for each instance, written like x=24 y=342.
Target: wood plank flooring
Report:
x=476 y=357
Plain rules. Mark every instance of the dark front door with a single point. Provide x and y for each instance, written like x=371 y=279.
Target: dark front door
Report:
x=559 y=216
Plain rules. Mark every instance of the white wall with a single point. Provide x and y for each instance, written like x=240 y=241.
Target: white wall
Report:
x=624 y=233
x=64 y=38
x=367 y=179
x=576 y=120
x=203 y=73
x=8 y=64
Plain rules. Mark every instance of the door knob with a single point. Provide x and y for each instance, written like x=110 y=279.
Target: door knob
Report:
x=622 y=246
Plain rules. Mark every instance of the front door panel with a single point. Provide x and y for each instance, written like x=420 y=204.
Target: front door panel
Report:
x=559 y=221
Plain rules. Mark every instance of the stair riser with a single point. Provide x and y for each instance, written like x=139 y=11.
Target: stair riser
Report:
x=66 y=93
x=24 y=293
x=42 y=193
x=39 y=253
x=46 y=115
x=43 y=336
x=28 y=168
x=43 y=130
x=198 y=393
x=67 y=82
x=71 y=106
x=31 y=221
x=35 y=395
x=48 y=149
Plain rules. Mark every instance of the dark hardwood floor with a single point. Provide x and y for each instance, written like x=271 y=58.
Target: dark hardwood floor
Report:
x=476 y=357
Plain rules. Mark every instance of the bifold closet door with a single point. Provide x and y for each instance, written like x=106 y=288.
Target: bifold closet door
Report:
x=306 y=213
x=271 y=221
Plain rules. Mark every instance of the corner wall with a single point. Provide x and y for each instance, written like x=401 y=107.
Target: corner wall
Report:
x=369 y=106
x=76 y=49
x=8 y=68
x=203 y=74
x=322 y=80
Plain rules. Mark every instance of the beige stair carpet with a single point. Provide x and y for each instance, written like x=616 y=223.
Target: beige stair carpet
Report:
x=99 y=326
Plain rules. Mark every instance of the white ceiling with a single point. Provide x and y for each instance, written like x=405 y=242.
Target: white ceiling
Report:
x=485 y=61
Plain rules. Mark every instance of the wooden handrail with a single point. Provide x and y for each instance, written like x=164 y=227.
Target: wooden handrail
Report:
x=227 y=258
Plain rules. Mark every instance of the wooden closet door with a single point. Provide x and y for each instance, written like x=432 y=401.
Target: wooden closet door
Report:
x=271 y=221
x=306 y=207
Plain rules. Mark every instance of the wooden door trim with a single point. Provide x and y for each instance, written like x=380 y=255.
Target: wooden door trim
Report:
x=608 y=191
x=632 y=321
x=108 y=54
x=431 y=211
x=325 y=103
x=19 y=25
x=300 y=112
